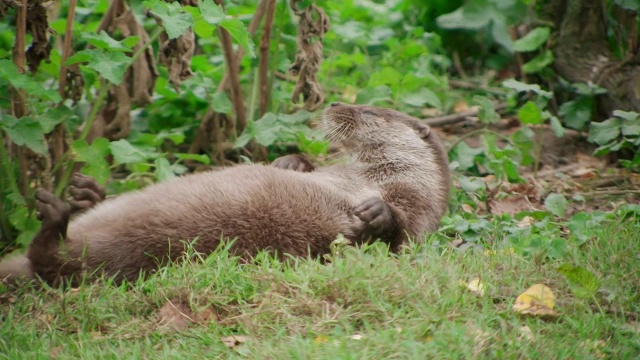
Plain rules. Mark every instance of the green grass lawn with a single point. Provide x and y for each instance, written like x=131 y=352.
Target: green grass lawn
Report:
x=364 y=304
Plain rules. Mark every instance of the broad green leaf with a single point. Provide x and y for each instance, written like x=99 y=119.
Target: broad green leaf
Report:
x=385 y=76
x=93 y=156
x=422 y=97
x=10 y=73
x=220 y=102
x=240 y=34
x=103 y=41
x=211 y=12
x=24 y=131
x=111 y=66
x=465 y=155
x=202 y=158
x=125 y=153
x=266 y=133
x=632 y=5
x=556 y=125
x=511 y=170
x=470 y=183
x=175 y=20
x=500 y=31
x=588 y=89
x=487 y=113
x=627 y=115
x=299 y=117
x=582 y=282
x=163 y=170
x=604 y=132
x=25 y=222
x=577 y=113
x=56 y=115
x=533 y=40
x=373 y=95
x=530 y=113
x=556 y=204
x=242 y=140
x=520 y=86
x=539 y=62
x=465 y=17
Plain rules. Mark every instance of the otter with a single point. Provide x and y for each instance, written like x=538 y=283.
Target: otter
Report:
x=395 y=187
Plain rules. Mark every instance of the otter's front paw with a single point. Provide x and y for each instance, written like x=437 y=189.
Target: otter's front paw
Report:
x=375 y=213
x=85 y=192
x=297 y=162
x=51 y=210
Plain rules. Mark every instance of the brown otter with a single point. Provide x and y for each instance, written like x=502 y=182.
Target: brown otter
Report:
x=396 y=185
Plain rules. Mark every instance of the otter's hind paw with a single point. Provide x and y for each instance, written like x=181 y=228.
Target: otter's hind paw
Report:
x=376 y=214
x=51 y=210
x=296 y=162
x=85 y=192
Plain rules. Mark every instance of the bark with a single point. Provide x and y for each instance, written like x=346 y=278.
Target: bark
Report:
x=583 y=53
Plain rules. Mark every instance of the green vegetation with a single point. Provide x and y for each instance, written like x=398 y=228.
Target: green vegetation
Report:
x=533 y=201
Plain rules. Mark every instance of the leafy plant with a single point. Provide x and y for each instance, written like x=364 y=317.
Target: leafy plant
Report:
x=619 y=132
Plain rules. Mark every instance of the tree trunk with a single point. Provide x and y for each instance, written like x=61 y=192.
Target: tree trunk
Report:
x=583 y=53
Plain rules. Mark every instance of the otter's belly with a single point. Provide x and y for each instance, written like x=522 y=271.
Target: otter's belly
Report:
x=263 y=207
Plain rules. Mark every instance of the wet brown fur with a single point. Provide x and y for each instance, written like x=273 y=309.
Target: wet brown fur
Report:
x=396 y=185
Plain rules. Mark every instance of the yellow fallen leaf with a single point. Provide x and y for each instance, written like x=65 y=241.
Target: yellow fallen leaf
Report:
x=476 y=286
x=538 y=300
x=320 y=339
x=234 y=340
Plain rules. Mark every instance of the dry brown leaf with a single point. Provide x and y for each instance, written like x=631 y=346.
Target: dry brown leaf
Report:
x=234 y=340
x=460 y=107
x=320 y=339
x=526 y=221
x=174 y=315
x=526 y=334
x=467 y=208
x=538 y=300
x=350 y=94
x=476 y=286
x=430 y=112
x=511 y=205
x=53 y=354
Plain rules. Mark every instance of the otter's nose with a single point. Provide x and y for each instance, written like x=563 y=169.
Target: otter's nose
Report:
x=335 y=103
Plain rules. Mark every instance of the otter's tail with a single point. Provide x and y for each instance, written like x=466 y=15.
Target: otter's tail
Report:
x=15 y=267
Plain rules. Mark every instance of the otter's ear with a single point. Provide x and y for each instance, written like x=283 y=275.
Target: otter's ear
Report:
x=424 y=131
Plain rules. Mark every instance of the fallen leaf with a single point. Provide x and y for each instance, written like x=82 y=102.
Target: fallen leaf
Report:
x=510 y=205
x=320 y=339
x=526 y=334
x=467 y=208
x=538 y=300
x=350 y=94
x=526 y=222
x=431 y=112
x=53 y=354
x=457 y=242
x=476 y=286
x=207 y=315
x=174 y=315
x=460 y=107
x=356 y=337
x=234 y=340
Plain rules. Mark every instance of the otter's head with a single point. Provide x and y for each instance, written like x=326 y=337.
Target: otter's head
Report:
x=359 y=127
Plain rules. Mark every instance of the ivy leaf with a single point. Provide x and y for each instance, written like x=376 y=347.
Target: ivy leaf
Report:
x=175 y=20
x=582 y=282
x=556 y=204
x=211 y=12
x=240 y=34
x=530 y=113
x=163 y=170
x=125 y=153
x=556 y=125
x=604 y=132
x=105 y=42
x=10 y=73
x=533 y=40
x=520 y=86
x=539 y=62
x=110 y=65
x=25 y=131
x=422 y=97
x=266 y=129
x=297 y=118
x=465 y=155
x=487 y=113
x=93 y=156
x=577 y=113
x=471 y=184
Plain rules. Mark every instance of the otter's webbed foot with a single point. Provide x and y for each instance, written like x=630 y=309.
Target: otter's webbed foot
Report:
x=377 y=217
x=296 y=162
x=85 y=192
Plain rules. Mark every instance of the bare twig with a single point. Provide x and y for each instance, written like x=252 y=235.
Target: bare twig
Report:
x=456 y=118
x=18 y=98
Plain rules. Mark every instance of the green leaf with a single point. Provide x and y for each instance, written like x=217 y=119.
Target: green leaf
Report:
x=539 y=62
x=125 y=153
x=202 y=158
x=220 y=102
x=175 y=20
x=582 y=282
x=25 y=131
x=520 y=86
x=266 y=134
x=240 y=34
x=533 y=40
x=422 y=97
x=111 y=66
x=103 y=41
x=530 y=113
x=577 y=113
x=487 y=113
x=242 y=140
x=556 y=125
x=163 y=170
x=465 y=155
x=93 y=156
x=556 y=204
x=10 y=73
x=632 y=5
x=471 y=184
x=385 y=76
x=627 y=115
x=211 y=12
x=56 y=115
x=604 y=132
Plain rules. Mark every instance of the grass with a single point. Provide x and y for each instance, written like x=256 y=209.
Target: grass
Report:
x=364 y=304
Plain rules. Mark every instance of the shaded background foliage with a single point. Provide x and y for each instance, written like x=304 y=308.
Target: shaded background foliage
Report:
x=563 y=63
